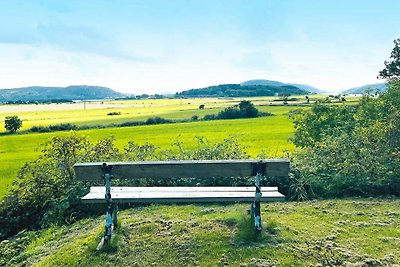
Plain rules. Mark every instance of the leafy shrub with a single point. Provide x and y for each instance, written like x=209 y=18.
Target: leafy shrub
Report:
x=53 y=128
x=114 y=113
x=351 y=151
x=130 y=123
x=157 y=120
x=245 y=109
x=230 y=113
x=209 y=117
x=63 y=127
x=40 y=129
x=248 y=109
x=47 y=194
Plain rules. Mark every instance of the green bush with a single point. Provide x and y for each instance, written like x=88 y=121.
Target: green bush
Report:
x=351 y=151
x=157 y=120
x=230 y=113
x=210 y=117
x=54 y=128
x=245 y=109
x=40 y=129
x=114 y=113
x=47 y=194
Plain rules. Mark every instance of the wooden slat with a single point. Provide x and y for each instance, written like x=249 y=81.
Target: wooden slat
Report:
x=181 y=169
x=185 y=194
x=117 y=189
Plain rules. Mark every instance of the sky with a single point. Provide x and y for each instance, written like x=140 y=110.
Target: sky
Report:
x=159 y=46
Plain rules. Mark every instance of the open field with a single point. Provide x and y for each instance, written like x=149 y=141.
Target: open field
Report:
x=96 y=113
x=131 y=110
x=357 y=232
x=267 y=134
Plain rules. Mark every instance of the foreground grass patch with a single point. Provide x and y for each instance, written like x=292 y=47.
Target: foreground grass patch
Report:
x=317 y=233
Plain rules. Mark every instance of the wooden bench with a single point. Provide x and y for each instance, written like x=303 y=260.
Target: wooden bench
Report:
x=106 y=171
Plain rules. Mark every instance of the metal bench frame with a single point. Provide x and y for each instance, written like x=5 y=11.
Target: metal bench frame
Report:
x=278 y=167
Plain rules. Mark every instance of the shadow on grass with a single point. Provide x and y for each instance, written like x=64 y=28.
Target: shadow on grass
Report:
x=110 y=247
x=246 y=233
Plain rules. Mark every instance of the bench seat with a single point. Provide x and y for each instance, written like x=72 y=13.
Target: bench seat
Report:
x=201 y=169
x=180 y=194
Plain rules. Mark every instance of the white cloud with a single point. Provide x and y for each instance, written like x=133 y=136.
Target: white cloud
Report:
x=186 y=66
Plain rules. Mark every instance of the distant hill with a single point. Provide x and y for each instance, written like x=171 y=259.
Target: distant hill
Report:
x=305 y=87
x=361 y=89
x=40 y=93
x=238 y=90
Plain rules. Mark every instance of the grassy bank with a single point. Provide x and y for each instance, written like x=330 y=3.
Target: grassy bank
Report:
x=356 y=232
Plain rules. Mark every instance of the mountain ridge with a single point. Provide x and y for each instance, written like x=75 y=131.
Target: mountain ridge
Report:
x=305 y=87
x=50 y=93
x=238 y=90
x=362 y=89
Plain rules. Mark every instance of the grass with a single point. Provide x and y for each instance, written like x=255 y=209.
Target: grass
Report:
x=132 y=110
x=96 y=113
x=354 y=232
x=266 y=134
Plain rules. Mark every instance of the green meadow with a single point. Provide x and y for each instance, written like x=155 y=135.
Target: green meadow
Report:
x=96 y=113
x=360 y=232
x=266 y=135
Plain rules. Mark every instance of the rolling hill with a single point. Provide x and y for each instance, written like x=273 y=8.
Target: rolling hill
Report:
x=238 y=90
x=41 y=93
x=361 y=89
x=305 y=87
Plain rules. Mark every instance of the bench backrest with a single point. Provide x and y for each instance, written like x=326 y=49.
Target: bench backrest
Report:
x=94 y=171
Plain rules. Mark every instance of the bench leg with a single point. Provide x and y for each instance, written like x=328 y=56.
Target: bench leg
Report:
x=256 y=215
x=255 y=207
x=111 y=214
x=111 y=220
x=110 y=224
x=114 y=215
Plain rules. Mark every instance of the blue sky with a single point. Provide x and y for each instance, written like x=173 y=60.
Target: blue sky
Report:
x=153 y=46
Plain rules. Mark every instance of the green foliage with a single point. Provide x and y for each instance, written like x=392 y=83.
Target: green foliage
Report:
x=299 y=186
x=229 y=113
x=248 y=109
x=351 y=151
x=238 y=90
x=46 y=193
x=114 y=113
x=321 y=120
x=157 y=120
x=54 y=128
x=245 y=109
x=392 y=67
x=12 y=123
